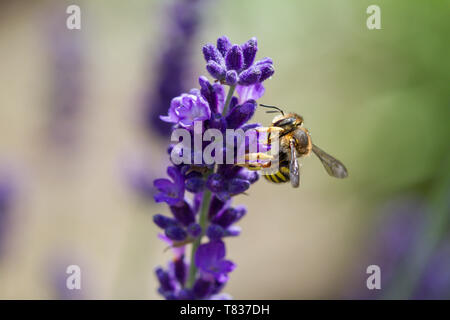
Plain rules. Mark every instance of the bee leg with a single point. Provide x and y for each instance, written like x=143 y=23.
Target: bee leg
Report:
x=267 y=133
x=269 y=129
x=251 y=161
x=258 y=156
x=255 y=166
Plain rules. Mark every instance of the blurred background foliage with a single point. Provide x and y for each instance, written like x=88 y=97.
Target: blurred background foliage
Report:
x=378 y=100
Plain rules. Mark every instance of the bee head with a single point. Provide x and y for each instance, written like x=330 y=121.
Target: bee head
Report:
x=286 y=121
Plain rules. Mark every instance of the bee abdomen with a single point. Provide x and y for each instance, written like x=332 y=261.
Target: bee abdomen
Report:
x=280 y=176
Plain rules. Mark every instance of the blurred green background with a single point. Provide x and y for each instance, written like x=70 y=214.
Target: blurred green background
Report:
x=378 y=100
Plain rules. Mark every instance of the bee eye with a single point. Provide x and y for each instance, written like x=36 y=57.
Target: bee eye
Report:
x=301 y=137
x=284 y=122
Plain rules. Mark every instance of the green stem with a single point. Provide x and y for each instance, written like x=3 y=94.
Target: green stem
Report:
x=228 y=100
x=203 y=220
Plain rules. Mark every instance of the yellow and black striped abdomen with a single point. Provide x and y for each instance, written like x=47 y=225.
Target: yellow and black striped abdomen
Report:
x=279 y=176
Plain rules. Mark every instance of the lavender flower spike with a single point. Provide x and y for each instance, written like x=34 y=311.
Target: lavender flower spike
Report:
x=233 y=64
x=209 y=211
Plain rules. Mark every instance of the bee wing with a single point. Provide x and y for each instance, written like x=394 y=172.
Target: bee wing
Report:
x=294 y=169
x=334 y=167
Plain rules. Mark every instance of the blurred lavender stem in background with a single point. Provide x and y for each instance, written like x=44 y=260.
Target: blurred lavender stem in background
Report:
x=57 y=265
x=173 y=68
x=171 y=72
x=436 y=226
x=411 y=247
x=66 y=62
x=434 y=282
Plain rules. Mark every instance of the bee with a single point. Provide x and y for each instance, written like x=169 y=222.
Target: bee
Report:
x=295 y=142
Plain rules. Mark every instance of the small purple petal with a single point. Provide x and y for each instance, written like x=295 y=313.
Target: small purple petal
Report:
x=183 y=213
x=215 y=232
x=180 y=269
x=218 y=122
x=202 y=288
x=172 y=116
x=194 y=230
x=208 y=255
x=252 y=92
x=213 y=93
x=236 y=186
x=195 y=184
x=226 y=266
x=233 y=103
x=197 y=202
x=251 y=176
x=223 y=195
x=216 y=207
x=164 y=279
x=175 y=174
x=241 y=114
x=163 y=222
x=231 y=77
x=175 y=233
x=219 y=92
x=169 y=192
x=215 y=182
x=233 y=231
x=229 y=216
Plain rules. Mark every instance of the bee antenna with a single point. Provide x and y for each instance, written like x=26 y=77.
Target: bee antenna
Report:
x=273 y=107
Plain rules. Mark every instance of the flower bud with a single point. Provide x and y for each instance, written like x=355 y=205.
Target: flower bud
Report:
x=175 y=233
x=249 y=76
x=234 y=60
x=163 y=222
x=249 y=50
x=231 y=77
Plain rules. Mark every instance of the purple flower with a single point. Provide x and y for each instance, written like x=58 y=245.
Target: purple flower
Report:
x=230 y=181
x=186 y=109
x=171 y=192
x=209 y=258
x=233 y=64
x=253 y=92
x=209 y=212
x=213 y=93
x=241 y=114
